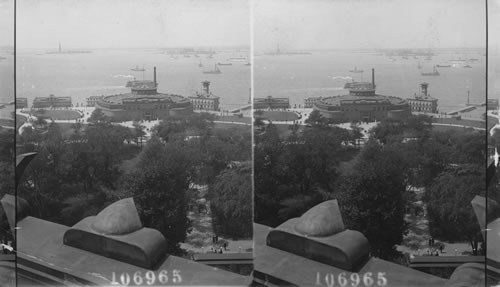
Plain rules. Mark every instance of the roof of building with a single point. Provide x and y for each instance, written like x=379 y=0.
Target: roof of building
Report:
x=52 y=98
x=344 y=99
x=120 y=98
x=306 y=249
x=360 y=87
x=423 y=98
x=208 y=96
x=41 y=242
x=276 y=264
x=270 y=99
x=142 y=85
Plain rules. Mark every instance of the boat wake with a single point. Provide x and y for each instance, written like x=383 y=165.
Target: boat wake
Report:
x=95 y=88
x=123 y=76
x=315 y=89
x=345 y=78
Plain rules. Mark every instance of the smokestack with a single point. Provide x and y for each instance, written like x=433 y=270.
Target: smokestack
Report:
x=155 y=75
x=206 y=87
x=373 y=78
x=424 y=88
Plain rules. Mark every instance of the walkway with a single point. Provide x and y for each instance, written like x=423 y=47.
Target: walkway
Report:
x=199 y=240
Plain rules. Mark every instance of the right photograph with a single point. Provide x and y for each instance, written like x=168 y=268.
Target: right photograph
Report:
x=370 y=128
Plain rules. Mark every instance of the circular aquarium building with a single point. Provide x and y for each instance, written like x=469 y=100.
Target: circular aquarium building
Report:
x=143 y=103
x=362 y=104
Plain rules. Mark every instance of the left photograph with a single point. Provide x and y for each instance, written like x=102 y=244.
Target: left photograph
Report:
x=7 y=190
x=133 y=143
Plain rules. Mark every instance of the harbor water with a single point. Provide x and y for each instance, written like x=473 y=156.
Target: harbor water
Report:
x=324 y=73
x=106 y=72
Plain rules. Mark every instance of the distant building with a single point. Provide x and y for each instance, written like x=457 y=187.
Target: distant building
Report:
x=92 y=100
x=205 y=100
x=21 y=103
x=271 y=103
x=143 y=102
x=423 y=102
x=492 y=104
x=309 y=102
x=362 y=104
x=51 y=102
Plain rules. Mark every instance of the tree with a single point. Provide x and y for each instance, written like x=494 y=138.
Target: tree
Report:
x=372 y=198
x=388 y=130
x=450 y=213
x=230 y=199
x=355 y=133
x=138 y=132
x=7 y=185
x=315 y=118
x=267 y=153
x=159 y=184
x=292 y=174
x=98 y=116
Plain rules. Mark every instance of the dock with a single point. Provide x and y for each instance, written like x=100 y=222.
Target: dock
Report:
x=462 y=110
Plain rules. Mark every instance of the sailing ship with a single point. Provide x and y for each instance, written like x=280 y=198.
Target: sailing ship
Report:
x=419 y=66
x=216 y=70
x=433 y=73
x=200 y=64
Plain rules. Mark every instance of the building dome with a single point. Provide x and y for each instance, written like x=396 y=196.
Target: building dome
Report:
x=143 y=103
x=361 y=104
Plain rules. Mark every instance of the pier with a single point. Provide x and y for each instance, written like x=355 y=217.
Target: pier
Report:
x=462 y=110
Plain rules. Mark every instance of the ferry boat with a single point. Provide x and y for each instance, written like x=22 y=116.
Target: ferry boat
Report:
x=444 y=66
x=216 y=70
x=224 y=64
x=137 y=69
x=433 y=73
x=356 y=70
x=238 y=59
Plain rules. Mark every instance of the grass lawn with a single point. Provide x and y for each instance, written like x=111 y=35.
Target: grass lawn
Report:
x=491 y=122
x=447 y=128
x=235 y=119
x=226 y=126
x=462 y=122
x=279 y=116
x=59 y=114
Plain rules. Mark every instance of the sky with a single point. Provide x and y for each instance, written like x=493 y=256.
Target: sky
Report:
x=132 y=23
x=6 y=23
x=494 y=49
x=494 y=26
x=341 y=24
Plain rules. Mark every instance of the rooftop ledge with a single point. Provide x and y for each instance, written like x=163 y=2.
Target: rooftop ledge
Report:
x=117 y=232
x=319 y=234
